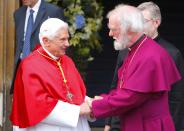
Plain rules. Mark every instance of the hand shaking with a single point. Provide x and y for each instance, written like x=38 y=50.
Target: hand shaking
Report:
x=85 y=108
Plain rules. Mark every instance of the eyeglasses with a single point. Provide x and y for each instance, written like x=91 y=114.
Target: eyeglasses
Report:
x=147 y=20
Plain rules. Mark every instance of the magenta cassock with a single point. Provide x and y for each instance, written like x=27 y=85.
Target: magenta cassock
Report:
x=141 y=96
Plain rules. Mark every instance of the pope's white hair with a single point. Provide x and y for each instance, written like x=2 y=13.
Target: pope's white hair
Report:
x=50 y=28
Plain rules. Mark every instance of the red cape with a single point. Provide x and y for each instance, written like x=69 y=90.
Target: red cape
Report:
x=39 y=85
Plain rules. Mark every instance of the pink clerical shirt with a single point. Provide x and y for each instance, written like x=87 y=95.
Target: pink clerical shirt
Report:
x=141 y=96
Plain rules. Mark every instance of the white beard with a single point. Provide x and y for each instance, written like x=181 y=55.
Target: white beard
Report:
x=120 y=45
x=122 y=42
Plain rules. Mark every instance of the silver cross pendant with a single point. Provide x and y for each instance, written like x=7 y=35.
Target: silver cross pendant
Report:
x=69 y=96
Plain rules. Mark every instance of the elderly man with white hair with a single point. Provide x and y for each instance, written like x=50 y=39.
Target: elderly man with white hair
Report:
x=140 y=98
x=48 y=89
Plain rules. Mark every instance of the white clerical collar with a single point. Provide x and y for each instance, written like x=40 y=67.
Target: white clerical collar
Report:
x=136 y=42
x=51 y=55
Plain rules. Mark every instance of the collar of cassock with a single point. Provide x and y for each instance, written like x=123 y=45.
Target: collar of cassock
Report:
x=49 y=56
x=136 y=43
x=157 y=38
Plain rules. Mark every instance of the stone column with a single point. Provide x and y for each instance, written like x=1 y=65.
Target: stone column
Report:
x=7 y=44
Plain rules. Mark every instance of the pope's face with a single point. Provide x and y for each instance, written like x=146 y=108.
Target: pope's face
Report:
x=57 y=46
x=29 y=3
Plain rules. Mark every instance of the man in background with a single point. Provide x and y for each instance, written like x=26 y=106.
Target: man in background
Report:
x=28 y=20
x=152 y=16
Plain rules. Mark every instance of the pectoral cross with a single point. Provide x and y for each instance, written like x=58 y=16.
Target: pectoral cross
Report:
x=69 y=95
x=122 y=78
x=121 y=83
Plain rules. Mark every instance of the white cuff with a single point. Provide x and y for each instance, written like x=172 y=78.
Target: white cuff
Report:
x=63 y=114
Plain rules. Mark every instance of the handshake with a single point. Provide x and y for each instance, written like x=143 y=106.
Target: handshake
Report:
x=86 y=107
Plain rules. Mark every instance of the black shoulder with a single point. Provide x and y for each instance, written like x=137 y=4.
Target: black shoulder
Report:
x=53 y=10
x=20 y=10
x=170 y=48
x=166 y=44
x=52 y=6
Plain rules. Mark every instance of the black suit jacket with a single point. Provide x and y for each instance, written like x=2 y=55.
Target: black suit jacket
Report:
x=46 y=10
x=176 y=95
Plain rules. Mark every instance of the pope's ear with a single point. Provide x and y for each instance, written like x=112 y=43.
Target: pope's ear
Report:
x=45 y=41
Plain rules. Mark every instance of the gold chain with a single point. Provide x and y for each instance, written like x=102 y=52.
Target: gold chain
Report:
x=69 y=95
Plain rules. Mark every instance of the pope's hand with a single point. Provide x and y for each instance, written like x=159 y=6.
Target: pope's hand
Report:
x=85 y=109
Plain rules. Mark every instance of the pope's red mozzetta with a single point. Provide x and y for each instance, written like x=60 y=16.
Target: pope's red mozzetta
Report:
x=32 y=105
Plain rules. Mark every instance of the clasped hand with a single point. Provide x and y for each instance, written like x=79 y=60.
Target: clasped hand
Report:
x=86 y=107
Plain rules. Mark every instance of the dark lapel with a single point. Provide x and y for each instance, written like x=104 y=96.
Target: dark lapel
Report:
x=22 y=22
x=40 y=15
